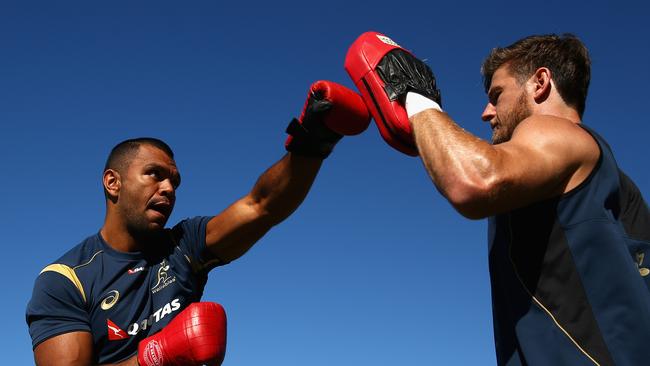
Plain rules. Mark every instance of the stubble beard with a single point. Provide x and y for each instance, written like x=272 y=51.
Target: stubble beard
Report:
x=139 y=226
x=510 y=121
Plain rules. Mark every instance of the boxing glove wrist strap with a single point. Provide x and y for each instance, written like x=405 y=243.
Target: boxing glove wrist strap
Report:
x=416 y=103
x=311 y=139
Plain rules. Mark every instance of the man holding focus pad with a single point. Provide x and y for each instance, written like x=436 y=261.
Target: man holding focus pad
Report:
x=569 y=232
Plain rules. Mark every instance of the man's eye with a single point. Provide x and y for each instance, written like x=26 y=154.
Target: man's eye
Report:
x=494 y=98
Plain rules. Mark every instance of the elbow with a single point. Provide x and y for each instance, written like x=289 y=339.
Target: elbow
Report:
x=472 y=199
x=270 y=213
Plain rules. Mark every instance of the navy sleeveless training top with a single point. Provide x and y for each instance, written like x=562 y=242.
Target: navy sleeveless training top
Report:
x=571 y=275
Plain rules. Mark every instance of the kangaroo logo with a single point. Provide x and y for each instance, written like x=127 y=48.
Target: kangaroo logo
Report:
x=110 y=300
x=163 y=277
x=115 y=333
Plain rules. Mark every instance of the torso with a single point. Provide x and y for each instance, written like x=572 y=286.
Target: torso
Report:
x=567 y=286
x=124 y=296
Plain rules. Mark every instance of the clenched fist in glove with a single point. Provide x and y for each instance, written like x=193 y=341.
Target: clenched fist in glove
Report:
x=384 y=73
x=196 y=336
x=331 y=111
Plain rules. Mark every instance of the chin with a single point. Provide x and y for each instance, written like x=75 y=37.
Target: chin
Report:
x=155 y=227
x=498 y=137
x=156 y=222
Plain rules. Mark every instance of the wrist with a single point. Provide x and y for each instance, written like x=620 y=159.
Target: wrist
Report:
x=416 y=103
x=311 y=139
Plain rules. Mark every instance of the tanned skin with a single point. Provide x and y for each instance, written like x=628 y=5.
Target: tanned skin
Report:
x=140 y=201
x=539 y=149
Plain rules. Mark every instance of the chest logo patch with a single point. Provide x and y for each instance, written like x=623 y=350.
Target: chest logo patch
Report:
x=110 y=300
x=115 y=333
x=639 y=262
x=136 y=270
x=164 y=278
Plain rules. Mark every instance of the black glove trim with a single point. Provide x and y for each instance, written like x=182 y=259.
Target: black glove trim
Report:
x=402 y=72
x=317 y=142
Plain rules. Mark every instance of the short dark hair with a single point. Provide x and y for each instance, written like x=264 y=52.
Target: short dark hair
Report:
x=566 y=56
x=121 y=155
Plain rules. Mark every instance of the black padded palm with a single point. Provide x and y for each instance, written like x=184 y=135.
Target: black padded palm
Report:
x=402 y=72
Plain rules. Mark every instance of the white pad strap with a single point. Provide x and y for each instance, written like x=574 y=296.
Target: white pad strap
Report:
x=416 y=103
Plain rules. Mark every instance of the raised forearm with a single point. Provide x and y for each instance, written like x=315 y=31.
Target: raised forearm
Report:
x=460 y=164
x=283 y=187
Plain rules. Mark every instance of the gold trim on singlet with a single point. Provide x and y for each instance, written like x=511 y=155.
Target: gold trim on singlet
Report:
x=539 y=303
x=69 y=273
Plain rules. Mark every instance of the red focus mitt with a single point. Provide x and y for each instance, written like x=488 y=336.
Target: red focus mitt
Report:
x=196 y=336
x=384 y=72
x=330 y=111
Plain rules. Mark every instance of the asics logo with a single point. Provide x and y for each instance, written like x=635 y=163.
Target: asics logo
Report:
x=110 y=300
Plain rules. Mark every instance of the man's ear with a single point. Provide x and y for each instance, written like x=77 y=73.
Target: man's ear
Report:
x=541 y=84
x=112 y=183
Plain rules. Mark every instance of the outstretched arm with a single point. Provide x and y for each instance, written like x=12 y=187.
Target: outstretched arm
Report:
x=330 y=112
x=276 y=194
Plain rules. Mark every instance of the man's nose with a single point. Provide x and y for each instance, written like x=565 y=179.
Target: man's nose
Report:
x=166 y=188
x=489 y=112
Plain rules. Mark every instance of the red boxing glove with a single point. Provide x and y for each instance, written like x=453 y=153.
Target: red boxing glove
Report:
x=330 y=111
x=196 y=336
x=384 y=72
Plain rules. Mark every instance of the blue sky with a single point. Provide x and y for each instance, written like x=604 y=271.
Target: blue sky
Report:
x=374 y=268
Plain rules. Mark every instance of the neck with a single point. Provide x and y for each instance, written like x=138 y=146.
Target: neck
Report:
x=566 y=113
x=554 y=106
x=117 y=234
x=119 y=239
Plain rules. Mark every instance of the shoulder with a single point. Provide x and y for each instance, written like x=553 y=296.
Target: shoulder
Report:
x=190 y=229
x=81 y=253
x=556 y=136
x=189 y=237
x=560 y=143
x=63 y=274
x=548 y=128
x=190 y=223
x=60 y=296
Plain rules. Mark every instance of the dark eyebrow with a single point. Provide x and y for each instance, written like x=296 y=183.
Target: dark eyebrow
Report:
x=176 y=179
x=492 y=91
x=154 y=166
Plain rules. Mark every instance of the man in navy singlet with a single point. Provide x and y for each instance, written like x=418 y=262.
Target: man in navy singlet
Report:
x=569 y=233
x=114 y=297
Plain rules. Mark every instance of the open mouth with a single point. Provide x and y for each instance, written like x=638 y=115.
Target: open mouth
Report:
x=161 y=206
